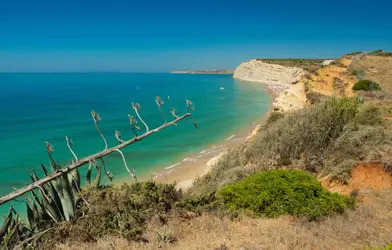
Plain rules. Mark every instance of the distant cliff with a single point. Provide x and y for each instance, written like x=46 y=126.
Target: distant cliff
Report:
x=216 y=71
x=258 y=71
x=283 y=81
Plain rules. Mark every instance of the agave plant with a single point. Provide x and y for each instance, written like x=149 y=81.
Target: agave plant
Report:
x=14 y=231
x=57 y=199
x=57 y=193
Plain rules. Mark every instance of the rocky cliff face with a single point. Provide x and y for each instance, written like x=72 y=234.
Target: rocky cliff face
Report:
x=259 y=71
x=284 y=81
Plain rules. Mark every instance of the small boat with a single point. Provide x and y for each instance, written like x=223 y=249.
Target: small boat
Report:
x=222 y=88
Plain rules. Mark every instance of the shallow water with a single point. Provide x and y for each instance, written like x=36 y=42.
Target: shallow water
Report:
x=35 y=108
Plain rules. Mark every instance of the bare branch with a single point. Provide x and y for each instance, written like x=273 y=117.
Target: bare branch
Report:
x=49 y=149
x=160 y=102
x=131 y=172
x=134 y=124
x=189 y=105
x=69 y=144
x=136 y=107
x=97 y=119
x=83 y=161
x=108 y=173
x=174 y=112
x=117 y=134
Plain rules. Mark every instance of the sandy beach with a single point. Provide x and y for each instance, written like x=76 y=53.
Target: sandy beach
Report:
x=198 y=164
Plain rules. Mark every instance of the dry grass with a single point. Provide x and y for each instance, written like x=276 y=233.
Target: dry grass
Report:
x=327 y=138
x=333 y=80
x=367 y=226
x=377 y=69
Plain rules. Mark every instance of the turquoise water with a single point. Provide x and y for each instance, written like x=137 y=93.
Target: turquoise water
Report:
x=35 y=108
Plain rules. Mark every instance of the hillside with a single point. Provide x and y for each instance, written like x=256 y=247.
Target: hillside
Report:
x=317 y=174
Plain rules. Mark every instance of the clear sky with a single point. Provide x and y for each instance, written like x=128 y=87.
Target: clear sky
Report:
x=162 y=35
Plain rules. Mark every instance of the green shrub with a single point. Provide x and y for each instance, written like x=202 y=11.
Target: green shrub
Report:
x=367 y=143
x=354 y=53
x=366 y=85
x=308 y=132
x=314 y=97
x=279 y=192
x=369 y=115
x=329 y=137
x=273 y=117
x=380 y=52
x=354 y=72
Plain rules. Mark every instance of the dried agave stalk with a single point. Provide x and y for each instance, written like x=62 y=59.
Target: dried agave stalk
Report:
x=97 y=119
x=134 y=124
x=53 y=186
x=131 y=172
x=117 y=134
x=160 y=102
x=136 y=107
x=69 y=144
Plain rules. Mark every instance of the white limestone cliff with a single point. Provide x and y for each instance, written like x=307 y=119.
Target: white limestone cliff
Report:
x=284 y=81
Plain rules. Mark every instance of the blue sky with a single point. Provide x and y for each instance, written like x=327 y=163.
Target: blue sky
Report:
x=158 y=36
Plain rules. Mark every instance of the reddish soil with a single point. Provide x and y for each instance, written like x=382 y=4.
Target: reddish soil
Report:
x=364 y=175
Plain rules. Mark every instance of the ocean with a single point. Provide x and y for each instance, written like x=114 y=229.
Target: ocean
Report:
x=39 y=107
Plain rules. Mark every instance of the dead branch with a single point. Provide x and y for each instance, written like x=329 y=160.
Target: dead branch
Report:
x=83 y=161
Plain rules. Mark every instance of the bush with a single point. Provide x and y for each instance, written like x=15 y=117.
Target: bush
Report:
x=369 y=115
x=279 y=192
x=273 y=117
x=366 y=85
x=314 y=97
x=308 y=132
x=329 y=138
x=118 y=211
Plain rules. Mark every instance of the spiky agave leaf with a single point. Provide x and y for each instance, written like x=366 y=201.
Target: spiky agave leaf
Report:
x=6 y=224
x=24 y=231
x=32 y=218
x=8 y=237
x=74 y=179
x=44 y=169
x=97 y=180
x=88 y=174
x=40 y=208
x=52 y=206
x=67 y=198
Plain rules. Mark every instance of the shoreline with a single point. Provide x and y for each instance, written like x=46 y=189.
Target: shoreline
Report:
x=198 y=164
